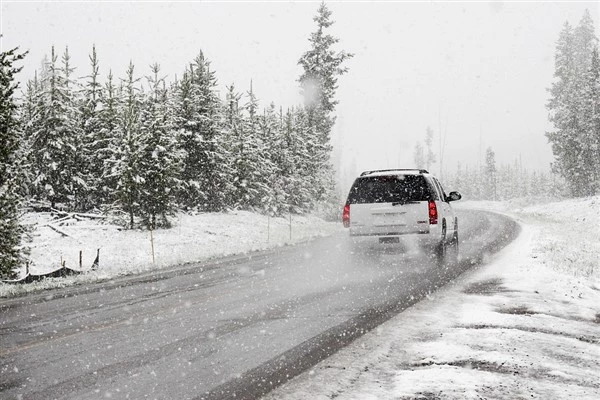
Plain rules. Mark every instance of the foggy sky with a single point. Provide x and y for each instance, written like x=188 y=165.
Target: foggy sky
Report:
x=476 y=71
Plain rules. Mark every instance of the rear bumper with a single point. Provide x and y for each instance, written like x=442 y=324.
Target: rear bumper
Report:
x=402 y=230
x=386 y=234
x=430 y=236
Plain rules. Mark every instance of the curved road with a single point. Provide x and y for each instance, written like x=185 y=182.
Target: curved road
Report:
x=232 y=329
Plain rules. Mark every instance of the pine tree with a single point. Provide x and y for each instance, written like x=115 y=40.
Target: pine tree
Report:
x=125 y=149
x=490 y=175
x=504 y=189
x=589 y=139
x=586 y=45
x=584 y=42
x=110 y=138
x=430 y=156
x=55 y=144
x=74 y=157
x=206 y=173
x=525 y=183
x=458 y=180
x=322 y=66
x=159 y=162
x=467 y=188
x=298 y=180
x=29 y=117
x=251 y=159
x=419 y=156
x=560 y=93
x=238 y=148
x=95 y=139
x=259 y=166
x=286 y=162
x=11 y=255
x=271 y=133
x=571 y=107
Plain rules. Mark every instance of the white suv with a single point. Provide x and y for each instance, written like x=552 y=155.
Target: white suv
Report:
x=407 y=204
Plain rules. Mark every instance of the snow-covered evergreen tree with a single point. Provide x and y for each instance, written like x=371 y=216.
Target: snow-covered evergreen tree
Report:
x=271 y=133
x=571 y=107
x=30 y=121
x=589 y=139
x=160 y=160
x=419 y=156
x=56 y=142
x=95 y=139
x=304 y=184
x=490 y=175
x=125 y=148
x=110 y=138
x=75 y=158
x=506 y=181
x=586 y=44
x=259 y=165
x=457 y=182
x=11 y=255
x=238 y=149
x=321 y=65
x=252 y=164
x=429 y=155
x=206 y=174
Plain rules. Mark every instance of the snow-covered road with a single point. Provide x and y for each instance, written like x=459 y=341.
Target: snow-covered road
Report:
x=525 y=325
x=242 y=326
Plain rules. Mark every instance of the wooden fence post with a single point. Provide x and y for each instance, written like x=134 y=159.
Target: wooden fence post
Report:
x=152 y=246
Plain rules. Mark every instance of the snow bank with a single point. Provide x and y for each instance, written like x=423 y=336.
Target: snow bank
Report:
x=193 y=238
x=569 y=236
x=569 y=240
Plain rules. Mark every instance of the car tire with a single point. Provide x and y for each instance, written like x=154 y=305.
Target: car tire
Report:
x=452 y=257
x=455 y=236
x=441 y=248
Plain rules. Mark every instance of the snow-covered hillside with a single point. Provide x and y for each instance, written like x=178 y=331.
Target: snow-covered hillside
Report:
x=527 y=325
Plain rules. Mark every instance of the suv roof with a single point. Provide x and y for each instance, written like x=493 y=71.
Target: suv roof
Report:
x=406 y=171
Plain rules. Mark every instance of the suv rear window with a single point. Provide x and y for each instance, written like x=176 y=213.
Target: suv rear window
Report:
x=389 y=189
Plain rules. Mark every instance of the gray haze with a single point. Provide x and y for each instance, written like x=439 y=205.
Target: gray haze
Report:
x=476 y=71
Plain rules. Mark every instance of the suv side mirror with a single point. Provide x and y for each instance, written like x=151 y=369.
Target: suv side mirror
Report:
x=453 y=196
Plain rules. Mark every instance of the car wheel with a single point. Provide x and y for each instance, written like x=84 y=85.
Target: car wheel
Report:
x=455 y=236
x=441 y=248
x=453 y=256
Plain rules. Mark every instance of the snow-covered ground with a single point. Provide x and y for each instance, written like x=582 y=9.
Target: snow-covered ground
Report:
x=193 y=238
x=527 y=325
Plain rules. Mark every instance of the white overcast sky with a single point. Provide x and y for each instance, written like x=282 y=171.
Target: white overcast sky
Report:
x=477 y=70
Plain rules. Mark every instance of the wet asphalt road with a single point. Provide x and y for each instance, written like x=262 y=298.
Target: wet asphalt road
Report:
x=232 y=329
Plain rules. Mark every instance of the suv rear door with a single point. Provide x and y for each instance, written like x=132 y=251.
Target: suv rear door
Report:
x=387 y=205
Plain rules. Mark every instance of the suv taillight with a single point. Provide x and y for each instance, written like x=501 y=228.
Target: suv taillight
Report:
x=346 y=216
x=433 y=214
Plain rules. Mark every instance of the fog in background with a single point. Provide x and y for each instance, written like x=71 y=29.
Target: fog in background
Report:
x=476 y=72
